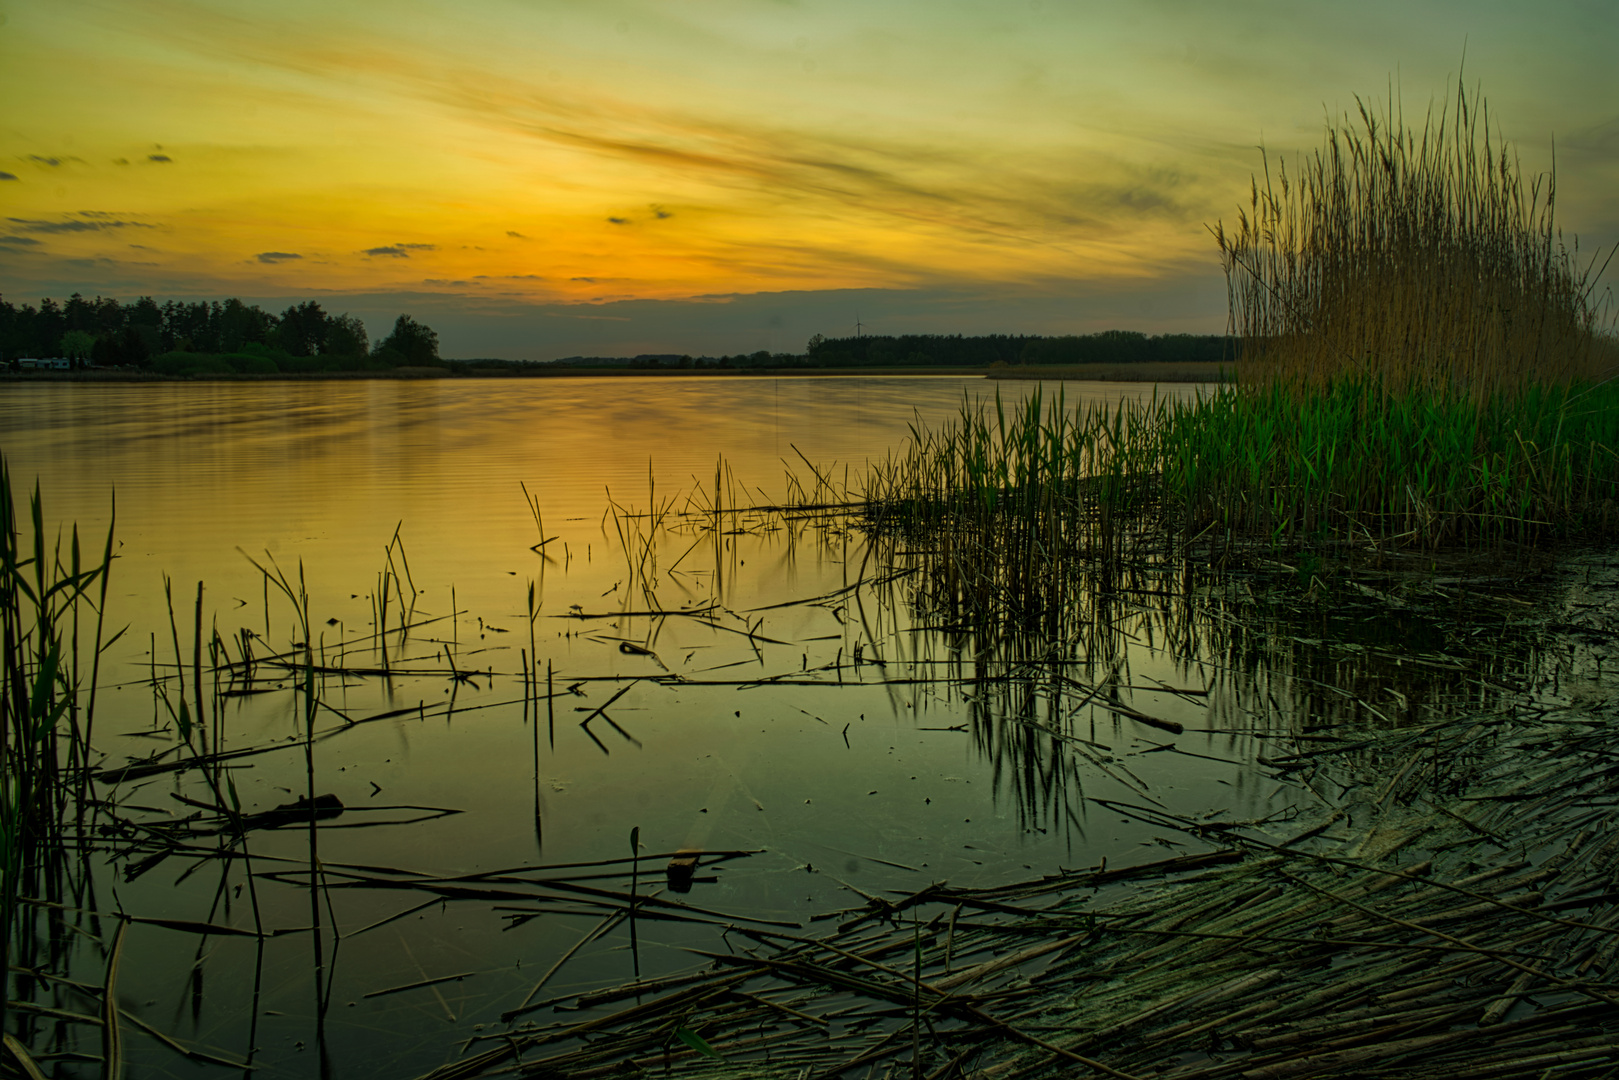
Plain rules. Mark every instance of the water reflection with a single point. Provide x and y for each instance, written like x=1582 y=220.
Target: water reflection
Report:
x=476 y=726
x=1117 y=655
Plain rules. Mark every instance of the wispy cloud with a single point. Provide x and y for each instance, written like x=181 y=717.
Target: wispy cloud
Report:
x=931 y=145
x=7 y=176
x=890 y=170
x=87 y=221
x=19 y=241
x=397 y=251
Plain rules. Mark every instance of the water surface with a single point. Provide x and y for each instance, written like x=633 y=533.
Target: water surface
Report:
x=815 y=711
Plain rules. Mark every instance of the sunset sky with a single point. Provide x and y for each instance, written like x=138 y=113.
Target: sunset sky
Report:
x=539 y=178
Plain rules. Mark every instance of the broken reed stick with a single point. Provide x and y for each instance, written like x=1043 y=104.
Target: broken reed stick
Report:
x=635 y=877
x=112 y=1040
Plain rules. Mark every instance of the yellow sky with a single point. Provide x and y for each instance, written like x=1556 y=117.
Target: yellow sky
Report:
x=523 y=151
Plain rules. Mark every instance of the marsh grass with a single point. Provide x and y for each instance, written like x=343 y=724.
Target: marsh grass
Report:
x=1424 y=360
x=1414 y=466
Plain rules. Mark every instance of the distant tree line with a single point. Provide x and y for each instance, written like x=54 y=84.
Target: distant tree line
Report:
x=206 y=337
x=952 y=350
x=940 y=350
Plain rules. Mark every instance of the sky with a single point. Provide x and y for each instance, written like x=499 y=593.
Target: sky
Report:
x=546 y=178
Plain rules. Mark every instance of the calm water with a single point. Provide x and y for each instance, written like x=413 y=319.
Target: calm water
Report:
x=763 y=725
x=324 y=471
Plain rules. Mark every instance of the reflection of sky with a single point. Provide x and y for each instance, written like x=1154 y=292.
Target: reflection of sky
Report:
x=323 y=471
x=509 y=153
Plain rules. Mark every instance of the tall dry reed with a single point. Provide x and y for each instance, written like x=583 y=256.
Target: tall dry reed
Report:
x=1410 y=258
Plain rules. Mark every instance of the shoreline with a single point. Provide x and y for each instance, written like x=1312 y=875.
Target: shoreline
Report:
x=1144 y=372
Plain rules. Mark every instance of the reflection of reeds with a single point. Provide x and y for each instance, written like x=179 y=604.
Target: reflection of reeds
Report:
x=1047 y=604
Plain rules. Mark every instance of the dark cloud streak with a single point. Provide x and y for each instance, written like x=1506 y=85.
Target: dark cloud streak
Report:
x=90 y=221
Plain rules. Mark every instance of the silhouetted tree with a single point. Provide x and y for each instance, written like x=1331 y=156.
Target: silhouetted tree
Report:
x=346 y=336
x=240 y=324
x=302 y=330
x=132 y=348
x=80 y=314
x=414 y=343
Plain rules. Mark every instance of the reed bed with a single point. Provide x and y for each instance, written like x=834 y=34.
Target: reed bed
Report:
x=1357 y=463
x=1411 y=259
x=1422 y=362
x=1452 y=913
x=1009 y=502
x=1423 y=358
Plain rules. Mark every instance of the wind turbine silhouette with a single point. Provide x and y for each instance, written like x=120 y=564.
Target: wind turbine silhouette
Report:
x=857 y=324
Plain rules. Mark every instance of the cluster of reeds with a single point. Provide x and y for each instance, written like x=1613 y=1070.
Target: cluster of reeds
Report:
x=1412 y=258
x=51 y=639
x=1420 y=364
x=1422 y=356
x=1013 y=505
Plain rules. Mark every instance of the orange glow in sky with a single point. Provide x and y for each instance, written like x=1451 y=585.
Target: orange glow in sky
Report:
x=525 y=151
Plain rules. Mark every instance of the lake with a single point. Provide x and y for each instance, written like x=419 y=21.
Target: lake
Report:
x=758 y=679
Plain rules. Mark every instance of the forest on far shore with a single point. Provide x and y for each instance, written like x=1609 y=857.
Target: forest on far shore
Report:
x=231 y=337
x=206 y=337
x=939 y=350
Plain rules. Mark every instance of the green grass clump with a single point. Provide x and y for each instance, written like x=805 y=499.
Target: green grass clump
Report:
x=1351 y=461
x=1356 y=461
